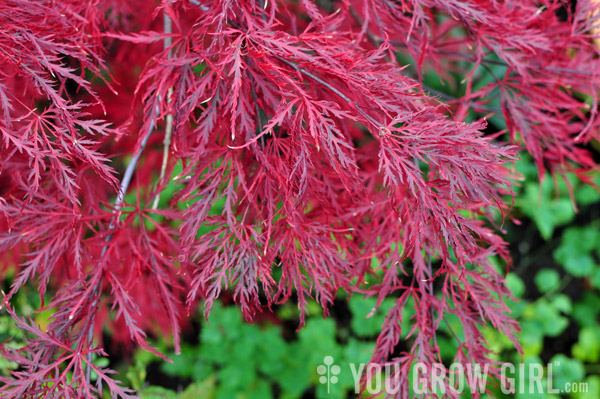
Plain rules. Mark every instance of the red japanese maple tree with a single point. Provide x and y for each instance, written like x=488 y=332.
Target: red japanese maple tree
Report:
x=276 y=149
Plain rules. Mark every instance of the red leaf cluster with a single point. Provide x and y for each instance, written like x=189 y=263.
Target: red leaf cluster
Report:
x=302 y=159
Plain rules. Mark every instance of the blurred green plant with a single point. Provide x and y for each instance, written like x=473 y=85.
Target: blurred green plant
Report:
x=556 y=290
x=557 y=285
x=235 y=359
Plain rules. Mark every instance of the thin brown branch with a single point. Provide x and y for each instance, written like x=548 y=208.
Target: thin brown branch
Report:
x=168 y=29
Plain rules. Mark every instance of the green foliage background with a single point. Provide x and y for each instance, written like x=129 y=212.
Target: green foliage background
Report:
x=556 y=280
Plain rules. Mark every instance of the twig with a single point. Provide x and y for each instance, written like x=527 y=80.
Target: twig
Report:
x=118 y=205
x=332 y=89
x=472 y=104
x=129 y=171
x=451 y=330
x=168 y=28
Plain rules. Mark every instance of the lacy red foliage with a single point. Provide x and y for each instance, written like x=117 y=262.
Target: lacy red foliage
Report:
x=309 y=161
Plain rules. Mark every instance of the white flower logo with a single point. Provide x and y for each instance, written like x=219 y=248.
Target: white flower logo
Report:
x=328 y=372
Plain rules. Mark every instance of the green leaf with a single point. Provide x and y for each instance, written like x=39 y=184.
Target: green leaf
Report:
x=562 y=303
x=592 y=391
x=580 y=265
x=545 y=318
x=526 y=167
x=515 y=285
x=361 y=307
x=547 y=280
x=586 y=195
x=155 y=392
x=583 y=239
x=202 y=389
x=585 y=311
x=531 y=338
x=544 y=208
x=183 y=364
x=566 y=370
x=587 y=349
